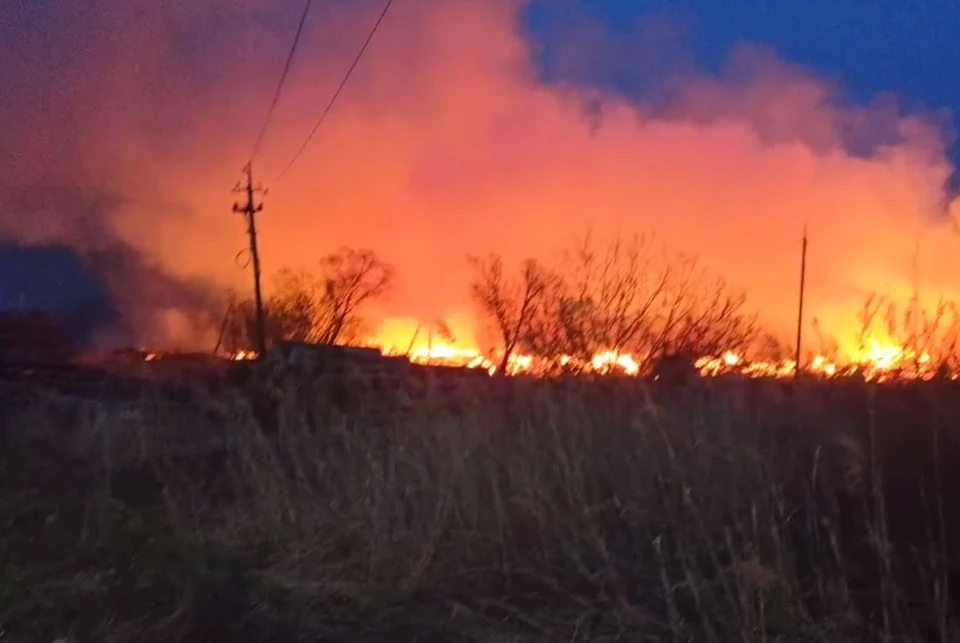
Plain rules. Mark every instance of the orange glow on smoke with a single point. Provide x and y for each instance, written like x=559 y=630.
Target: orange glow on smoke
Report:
x=445 y=143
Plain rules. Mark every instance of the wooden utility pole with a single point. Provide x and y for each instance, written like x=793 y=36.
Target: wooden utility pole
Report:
x=250 y=209
x=803 y=277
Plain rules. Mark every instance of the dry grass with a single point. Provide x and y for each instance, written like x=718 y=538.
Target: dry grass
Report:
x=524 y=512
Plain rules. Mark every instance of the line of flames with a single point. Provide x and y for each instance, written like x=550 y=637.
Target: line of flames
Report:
x=876 y=362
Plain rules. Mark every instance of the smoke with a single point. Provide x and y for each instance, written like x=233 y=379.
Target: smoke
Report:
x=449 y=141
x=125 y=297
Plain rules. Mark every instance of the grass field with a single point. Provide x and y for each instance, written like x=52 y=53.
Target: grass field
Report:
x=283 y=509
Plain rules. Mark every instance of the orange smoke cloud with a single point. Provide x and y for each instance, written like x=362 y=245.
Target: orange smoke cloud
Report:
x=446 y=143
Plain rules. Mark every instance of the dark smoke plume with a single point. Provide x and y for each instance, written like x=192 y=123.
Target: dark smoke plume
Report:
x=108 y=293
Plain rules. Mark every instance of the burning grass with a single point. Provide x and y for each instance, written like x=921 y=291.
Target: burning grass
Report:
x=505 y=510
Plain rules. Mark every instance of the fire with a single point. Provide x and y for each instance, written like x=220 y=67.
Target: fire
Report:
x=607 y=360
x=822 y=365
x=239 y=356
x=882 y=356
x=444 y=353
x=877 y=360
x=475 y=132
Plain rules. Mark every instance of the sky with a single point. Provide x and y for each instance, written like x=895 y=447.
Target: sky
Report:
x=868 y=46
x=476 y=126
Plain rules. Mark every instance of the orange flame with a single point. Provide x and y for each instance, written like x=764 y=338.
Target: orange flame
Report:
x=877 y=361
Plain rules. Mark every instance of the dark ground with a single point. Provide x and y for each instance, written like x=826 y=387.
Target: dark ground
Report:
x=260 y=505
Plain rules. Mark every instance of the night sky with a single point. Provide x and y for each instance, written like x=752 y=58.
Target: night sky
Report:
x=636 y=49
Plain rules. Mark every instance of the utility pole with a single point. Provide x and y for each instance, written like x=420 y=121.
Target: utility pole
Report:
x=250 y=209
x=803 y=277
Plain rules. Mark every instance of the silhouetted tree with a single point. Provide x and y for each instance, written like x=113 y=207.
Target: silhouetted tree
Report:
x=509 y=302
x=607 y=298
x=350 y=280
x=627 y=297
x=699 y=314
x=292 y=309
x=322 y=308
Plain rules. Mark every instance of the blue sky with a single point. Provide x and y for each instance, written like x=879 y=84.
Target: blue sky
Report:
x=907 y=47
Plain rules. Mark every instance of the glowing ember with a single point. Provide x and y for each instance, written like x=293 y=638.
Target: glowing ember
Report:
x=241 y=356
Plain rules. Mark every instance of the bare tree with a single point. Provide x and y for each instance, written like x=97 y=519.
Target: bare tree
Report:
x=350 y=280
x=698 y=314
x=509 y=302
x=625 y=298
x=293 y=309
x=602 y=299
x=322 y=308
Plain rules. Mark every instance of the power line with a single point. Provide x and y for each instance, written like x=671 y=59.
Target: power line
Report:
x=336 y=94
x=283 y=80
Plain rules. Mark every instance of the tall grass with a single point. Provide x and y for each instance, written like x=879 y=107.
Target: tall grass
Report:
x=518 y=511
